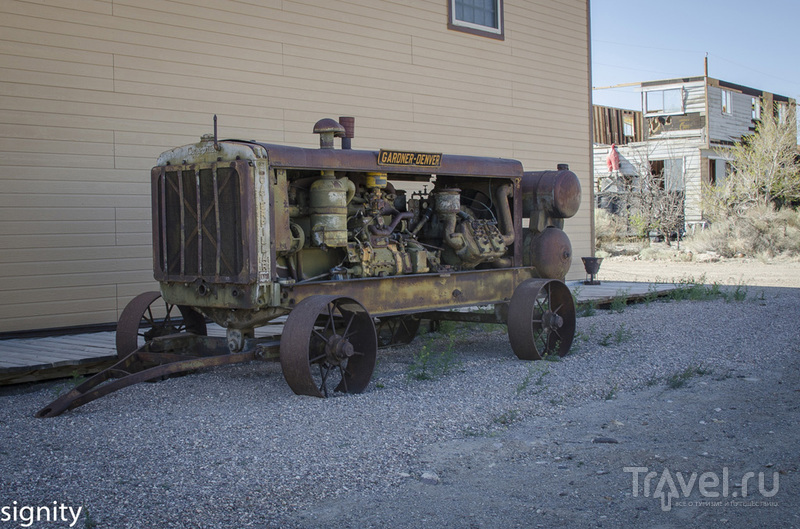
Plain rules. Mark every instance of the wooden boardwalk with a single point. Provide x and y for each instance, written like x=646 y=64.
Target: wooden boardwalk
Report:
x=33 y=359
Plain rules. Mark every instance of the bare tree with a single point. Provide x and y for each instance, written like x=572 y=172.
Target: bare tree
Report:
x=650 y=199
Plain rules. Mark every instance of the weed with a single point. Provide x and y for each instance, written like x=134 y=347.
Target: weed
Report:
x=506 y=418
x=620 y=301
x=586 y=309
x=428 y=365
x=470 y=431
x=611 y=393
x=622 y=334
x=522 y=386
x=576 y=292
x=650 y=382
x=652 y=294
x=89 y=522
x=695 y=290
x=526 y=382
x=762 y=299
x=577 y=342
x=740 y=293
x=68 y=385
x=680 y=378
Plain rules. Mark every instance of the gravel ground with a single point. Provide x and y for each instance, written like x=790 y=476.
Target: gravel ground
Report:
x=494 y=442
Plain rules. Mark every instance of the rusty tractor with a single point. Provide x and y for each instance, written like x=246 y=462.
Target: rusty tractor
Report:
x=349 y=249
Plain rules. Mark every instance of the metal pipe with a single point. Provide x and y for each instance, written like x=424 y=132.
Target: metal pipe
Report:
x=507 y=225
x=389 y=229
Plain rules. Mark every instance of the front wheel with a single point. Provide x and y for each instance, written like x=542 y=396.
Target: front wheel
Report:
x=328 y=344
x=145 y=318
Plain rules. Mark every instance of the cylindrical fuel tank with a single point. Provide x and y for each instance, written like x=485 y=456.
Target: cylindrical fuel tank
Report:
x=558 y=192
x=549 y=251
x=328 y=198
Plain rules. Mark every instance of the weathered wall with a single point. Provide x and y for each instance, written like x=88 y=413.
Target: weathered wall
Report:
x=93 y=90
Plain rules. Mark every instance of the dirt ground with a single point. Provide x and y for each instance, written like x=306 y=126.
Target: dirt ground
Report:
x=749 y=272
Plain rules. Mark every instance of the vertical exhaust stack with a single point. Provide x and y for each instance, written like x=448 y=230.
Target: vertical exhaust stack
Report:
x=349 y=124
x=328 y=129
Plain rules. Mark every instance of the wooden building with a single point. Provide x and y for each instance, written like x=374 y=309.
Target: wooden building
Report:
x=94 y=90
x=688 y=125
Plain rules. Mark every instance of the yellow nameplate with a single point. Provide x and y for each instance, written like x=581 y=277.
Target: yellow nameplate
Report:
x=416 y=159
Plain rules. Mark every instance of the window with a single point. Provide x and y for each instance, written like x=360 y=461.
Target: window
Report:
x=726 y=101
x=479 y=17
x=669 y=174
x=717 y=172
x=627 y=125
x=673 y=175
x=756 y=109
x=664 y=101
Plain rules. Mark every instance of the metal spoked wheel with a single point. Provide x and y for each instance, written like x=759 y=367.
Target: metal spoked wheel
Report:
x=397 y=330
x=328 y=345
x=541 y=319
x=147 y=317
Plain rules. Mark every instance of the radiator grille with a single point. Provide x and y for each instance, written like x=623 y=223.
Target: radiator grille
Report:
x=201 y=229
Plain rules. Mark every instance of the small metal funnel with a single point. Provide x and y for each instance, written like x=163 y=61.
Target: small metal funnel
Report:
x=592 y=266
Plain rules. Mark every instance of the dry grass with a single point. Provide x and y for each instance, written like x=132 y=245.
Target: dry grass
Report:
x=762 y=232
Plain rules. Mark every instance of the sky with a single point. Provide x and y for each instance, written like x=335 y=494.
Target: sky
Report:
x=755 y=44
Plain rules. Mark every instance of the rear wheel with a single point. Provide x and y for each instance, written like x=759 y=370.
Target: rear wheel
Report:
x=397 y=330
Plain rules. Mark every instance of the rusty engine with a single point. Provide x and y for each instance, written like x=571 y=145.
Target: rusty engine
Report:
x=350 y=249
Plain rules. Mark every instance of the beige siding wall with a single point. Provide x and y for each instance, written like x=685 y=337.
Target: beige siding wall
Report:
x=92 y=91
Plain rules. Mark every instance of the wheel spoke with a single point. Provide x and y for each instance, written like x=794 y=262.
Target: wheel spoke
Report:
x=168 y=317
x=346 y=333
x=317 y=334
x=149 y=318
x=316 y=358
x=323 y=373
x=332 y=319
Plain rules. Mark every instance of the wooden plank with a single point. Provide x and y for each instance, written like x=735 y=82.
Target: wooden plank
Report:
x=26 y=374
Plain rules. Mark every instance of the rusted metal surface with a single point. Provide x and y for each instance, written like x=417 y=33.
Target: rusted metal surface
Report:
x=328 y=344
x=282 y=156
x=549 y=252
x=204 y=224
x=160 y=357
x=141 y=322
x=418 y=293
x=541 y=319
x=556 y=192
x=244 y=232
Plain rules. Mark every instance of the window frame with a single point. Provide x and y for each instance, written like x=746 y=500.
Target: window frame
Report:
x=755 y=110
x=726 y=102
x=476 y=29
x=664 y=111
